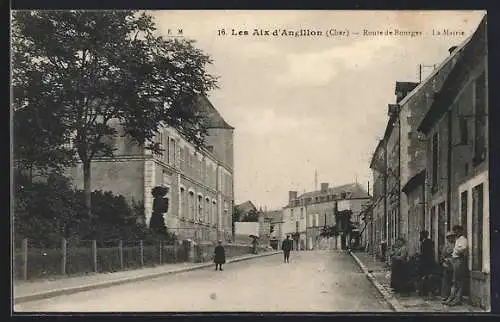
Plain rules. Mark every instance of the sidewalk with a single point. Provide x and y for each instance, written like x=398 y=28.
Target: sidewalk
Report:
x=379 y=276
x=39 y=289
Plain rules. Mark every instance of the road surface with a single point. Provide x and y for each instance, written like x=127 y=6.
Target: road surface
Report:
x=313 y=281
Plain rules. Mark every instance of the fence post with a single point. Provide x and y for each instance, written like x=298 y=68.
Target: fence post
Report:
x=161 y=251
x=120 y=250
x=25 y=258
x=64 y=256
x=94 y=254
x=141 y=246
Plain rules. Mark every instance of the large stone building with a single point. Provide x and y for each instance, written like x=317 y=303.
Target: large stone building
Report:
x=200 y=181
x=456 y=133
x=306 y=214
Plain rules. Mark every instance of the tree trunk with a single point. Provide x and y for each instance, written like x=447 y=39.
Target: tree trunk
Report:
x=87 y=188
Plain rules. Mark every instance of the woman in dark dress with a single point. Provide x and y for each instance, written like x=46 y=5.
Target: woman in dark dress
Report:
x=220 y=256
x=399 y=276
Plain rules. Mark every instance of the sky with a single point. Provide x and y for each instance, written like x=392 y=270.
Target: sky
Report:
x=301 y=105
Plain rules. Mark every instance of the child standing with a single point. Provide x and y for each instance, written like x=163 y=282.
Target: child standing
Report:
x=220 y=256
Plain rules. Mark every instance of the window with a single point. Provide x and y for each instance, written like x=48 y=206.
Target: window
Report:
x=316 y=220
x=301 y=213
x=463 y=210
x=182 y=196
x=200 y=208
x=477 y=228
x=171 y=152
x=182 y=159
x=480 y=120
x=435 y=158
x=464 y=131
x=187 y=160
x=311 y=221
x=208 y=217
x=166 y=147
x=191 y=205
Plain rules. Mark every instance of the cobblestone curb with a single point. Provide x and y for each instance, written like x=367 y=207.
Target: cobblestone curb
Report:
x=93 y=286
x=388 y=297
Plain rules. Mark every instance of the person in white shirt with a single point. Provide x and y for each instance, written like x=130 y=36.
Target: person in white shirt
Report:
x=459 y=269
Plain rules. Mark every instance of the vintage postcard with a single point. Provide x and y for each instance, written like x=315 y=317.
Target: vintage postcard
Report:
x=250 y=161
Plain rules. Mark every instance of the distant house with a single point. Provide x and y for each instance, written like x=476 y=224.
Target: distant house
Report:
x=276 y=220
x=244 y=209
x=306 y=214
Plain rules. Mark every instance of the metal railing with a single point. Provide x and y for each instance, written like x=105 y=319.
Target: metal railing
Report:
x=73 y=258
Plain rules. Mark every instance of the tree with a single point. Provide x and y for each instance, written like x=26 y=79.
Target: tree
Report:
x=236 y=216
x=36 y=147
x=251 y=216
x=94 y=71
x=329 y=231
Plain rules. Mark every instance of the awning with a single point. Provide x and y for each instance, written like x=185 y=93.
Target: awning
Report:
x=415 y=181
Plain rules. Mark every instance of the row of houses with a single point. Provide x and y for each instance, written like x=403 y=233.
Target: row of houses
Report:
x=200 y=181
x=306 y=214
x=430 y=169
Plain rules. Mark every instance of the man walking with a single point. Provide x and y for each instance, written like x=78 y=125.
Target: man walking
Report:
x=458 y=266
x=286 y=246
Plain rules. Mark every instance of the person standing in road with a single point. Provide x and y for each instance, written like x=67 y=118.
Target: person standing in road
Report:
x=459 y=269
x=220 y=256
x=286 y=247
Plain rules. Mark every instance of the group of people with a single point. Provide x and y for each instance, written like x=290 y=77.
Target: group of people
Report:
x=423 y=273
x=220 y=252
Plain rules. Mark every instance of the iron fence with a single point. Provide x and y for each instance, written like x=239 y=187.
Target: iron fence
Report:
x=84 y=257
x=79 y=257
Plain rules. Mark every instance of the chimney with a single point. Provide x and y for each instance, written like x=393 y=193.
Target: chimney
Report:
x=324 y=187
x=292 y=195
x=403 y=88
x=452 y=49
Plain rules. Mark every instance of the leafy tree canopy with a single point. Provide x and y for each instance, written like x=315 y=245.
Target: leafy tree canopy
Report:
x=251 y=216
x=78 y=74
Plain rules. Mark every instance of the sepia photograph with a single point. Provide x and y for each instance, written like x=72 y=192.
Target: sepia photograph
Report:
x=249 y=161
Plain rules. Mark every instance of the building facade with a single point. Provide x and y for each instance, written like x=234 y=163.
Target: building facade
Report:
x=456 y=132
x=306 y=214
x=413 y=151
x=378 y=166
x=200 y=181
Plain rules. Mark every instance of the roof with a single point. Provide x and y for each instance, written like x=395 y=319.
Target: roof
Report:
x=389 y=126
x=246 y=207
x=380 y=145
x=467 y=55
x=405 y=86
x=356 y=190
x=213 y=118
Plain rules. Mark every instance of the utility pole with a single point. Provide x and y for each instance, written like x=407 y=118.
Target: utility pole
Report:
x=315 y=180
